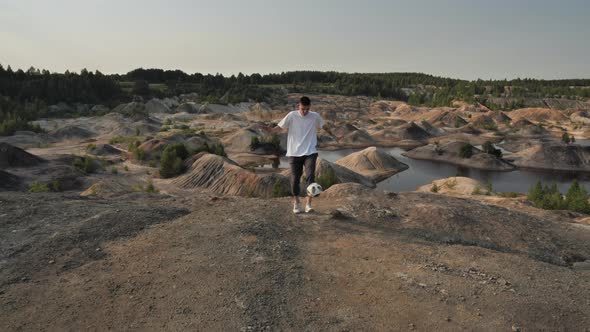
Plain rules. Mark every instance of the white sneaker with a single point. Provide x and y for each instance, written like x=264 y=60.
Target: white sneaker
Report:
x=308 y=208
x=297 y=208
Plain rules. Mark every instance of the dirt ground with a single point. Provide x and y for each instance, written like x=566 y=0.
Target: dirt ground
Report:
x=411 y=261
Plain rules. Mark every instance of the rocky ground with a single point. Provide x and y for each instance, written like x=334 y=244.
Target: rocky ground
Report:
x=371 y=262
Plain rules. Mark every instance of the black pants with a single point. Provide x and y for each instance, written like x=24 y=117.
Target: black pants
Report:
x=297 y=164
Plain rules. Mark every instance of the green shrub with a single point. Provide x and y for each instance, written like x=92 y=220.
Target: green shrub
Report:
x=138 y=154
x=55 y=185
x=217 y=149
x=327 y=179
x=151 y=189
x=489 y=148
x=434 y=188
x=90 y=147
x=86 y=164
x=508 y=194
x=476 y=190
x=279 y=189
x=126 y=168
x=38 y=187
x=170 y=164
x=114 y=170
x=466 y=151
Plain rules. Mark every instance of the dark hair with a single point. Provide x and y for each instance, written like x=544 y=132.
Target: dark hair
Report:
x=305 y=101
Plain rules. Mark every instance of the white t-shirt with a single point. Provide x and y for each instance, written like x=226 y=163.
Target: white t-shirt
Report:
x=302 y=138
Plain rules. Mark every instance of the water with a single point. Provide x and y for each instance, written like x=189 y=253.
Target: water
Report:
x=421 y=172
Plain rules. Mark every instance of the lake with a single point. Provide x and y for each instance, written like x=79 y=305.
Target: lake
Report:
x=421 y=172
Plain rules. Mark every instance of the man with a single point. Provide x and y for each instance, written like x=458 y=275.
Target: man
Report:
x=302 y=126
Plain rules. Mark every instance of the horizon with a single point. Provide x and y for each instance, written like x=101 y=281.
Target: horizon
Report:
x=459 y=39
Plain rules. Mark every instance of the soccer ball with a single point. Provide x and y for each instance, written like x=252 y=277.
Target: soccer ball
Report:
x=314 y=189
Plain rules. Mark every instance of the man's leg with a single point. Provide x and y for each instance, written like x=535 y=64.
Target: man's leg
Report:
x=309 y=163
x=296 y=165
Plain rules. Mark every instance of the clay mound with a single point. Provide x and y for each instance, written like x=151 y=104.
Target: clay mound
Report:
x=72 y=132
x=524 y=127
x=154 y=147
x=223 y=116
x=224 y=177
x=406 y=112
x=500 y=118
x=430 y=129
x=538 y=115
x=447 y=119
x=482 y=121
x=241 y=139
x=359 y=137
x=469 y=129
x=105 y=150
x=554 y=156
x=343 y=174
x=345 y=129
x=372 y=163
x=453 y=186
x=190 y=107
x=157 y=106
x=11 y=156
x=477 y=108
x=581 y=117
x=411 y=131
x=111 y=187
x=346 y=190
x=450 y=153
x=9 y=181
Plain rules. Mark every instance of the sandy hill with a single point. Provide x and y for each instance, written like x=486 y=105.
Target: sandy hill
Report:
x=456 y=185
x=223 y=176
x=538 y=115
x=449 y=153
x=412 y=131
x=446 y=119
x=11 y=156
x=373 y=163
x=554 y=156
x=524 y=127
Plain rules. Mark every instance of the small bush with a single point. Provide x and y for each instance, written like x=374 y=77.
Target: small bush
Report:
x=90 y=147
x=138 y=154
x=434 y=188
x=466 y=151
x=451 y=184
x=279 y=189
x=151 y=189
x=327 y=179
x=489 y=148
x=126 y=168
x=476 y=190
x=38 y=187
x=508 y=194
x=114 y=170
x=86 y=164
x=55 y=185
x=170 y=164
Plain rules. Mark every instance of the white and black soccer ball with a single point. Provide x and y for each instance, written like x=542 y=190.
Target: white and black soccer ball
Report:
x=314 y=190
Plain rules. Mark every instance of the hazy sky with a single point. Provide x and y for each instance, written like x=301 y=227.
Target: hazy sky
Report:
x=456 y=38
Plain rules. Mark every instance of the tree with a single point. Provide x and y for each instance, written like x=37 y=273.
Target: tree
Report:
x=566 y=138
x=576 y=198
x=170 y=164
x=141 y=88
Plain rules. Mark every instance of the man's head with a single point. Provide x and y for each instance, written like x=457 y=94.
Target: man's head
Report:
x=304 y=105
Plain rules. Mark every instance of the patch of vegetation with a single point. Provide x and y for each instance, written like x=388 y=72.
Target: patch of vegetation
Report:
x=476 y=190
x=90 y=147
x=151 y=189
x=548 y=197
x=508 y=194
x=55 y=185
x=38 y=187
x=327 y=179
x=217 y=149
x=466 y=151
x=489 y=148
x=280 y=189
x=451 y=184
x=434 y=188
x=86 y=164
x=171 y=163
x=567 y=139
x=438 y=149
x=272 y=143
x=114 y=170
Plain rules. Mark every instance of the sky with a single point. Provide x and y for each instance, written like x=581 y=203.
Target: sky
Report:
x=465 y=39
